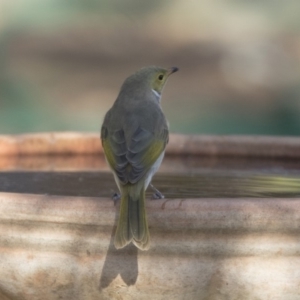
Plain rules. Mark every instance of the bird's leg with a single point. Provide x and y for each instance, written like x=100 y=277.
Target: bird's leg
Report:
x=115 y=197
x=157 y=194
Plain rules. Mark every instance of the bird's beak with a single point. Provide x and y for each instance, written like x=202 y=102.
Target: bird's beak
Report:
x=172 y=70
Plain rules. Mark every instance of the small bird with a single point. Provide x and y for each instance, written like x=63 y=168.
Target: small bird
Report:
x=134 y=135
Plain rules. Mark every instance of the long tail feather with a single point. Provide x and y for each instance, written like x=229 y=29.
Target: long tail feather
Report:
x=132 y=224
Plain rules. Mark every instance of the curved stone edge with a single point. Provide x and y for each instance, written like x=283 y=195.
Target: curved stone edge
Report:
x=50 y=143
x=177 y=226
x=89 y=143
x=231 y=145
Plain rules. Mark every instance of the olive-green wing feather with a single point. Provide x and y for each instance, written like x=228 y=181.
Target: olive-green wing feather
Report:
x=132 y=160
x=115 y=150
x=143 y=151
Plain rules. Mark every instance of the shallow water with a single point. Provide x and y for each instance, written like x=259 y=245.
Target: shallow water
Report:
x=189 y=177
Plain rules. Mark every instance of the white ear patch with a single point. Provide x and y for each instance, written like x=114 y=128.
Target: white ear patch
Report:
x=157 y=94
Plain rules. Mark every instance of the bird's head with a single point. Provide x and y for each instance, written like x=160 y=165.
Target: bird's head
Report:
x=148 y=79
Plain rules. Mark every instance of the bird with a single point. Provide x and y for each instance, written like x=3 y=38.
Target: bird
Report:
x=134 y=135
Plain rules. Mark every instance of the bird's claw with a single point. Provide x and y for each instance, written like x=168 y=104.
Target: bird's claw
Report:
x=157 y=194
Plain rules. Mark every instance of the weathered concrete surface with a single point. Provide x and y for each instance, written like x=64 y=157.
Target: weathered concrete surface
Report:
x=61 y=248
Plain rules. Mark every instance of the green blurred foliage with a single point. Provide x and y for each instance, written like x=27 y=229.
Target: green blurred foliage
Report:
x=62 y=63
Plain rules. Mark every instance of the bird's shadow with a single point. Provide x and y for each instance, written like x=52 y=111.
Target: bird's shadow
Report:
x=122 y=261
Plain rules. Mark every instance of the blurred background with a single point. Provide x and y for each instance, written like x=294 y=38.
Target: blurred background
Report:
x=62 y=63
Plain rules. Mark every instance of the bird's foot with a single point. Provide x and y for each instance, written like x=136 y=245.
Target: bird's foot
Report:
x=115 y=197
x=157 y=194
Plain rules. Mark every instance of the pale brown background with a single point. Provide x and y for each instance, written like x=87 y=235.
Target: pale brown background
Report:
x=62 y=63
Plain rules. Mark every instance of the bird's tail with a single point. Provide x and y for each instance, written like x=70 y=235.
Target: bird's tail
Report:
x=132 y=224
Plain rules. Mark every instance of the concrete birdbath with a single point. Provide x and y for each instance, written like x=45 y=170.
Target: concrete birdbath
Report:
x=227 y=229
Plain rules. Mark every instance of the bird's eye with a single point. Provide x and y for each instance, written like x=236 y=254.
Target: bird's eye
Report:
x=161 y=77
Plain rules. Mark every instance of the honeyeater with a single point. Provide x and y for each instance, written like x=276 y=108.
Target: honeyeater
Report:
x=134 y=135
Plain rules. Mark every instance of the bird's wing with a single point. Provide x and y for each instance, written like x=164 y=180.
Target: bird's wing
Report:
x=143 y=151
x=115 y=150
x=133 y=160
